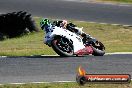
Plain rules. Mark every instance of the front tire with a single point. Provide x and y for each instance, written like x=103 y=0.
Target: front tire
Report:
x=62 y=46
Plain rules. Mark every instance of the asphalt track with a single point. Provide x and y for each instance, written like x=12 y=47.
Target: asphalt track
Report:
x=61 y=9
x=48 y=69
x=55 y=68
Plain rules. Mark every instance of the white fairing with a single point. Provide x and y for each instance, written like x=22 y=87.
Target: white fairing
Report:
x=77 y=41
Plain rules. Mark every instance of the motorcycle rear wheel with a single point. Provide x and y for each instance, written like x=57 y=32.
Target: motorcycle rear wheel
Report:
x=98 y=50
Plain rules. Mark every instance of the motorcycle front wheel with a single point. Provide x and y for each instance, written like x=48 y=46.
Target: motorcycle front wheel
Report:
x=62 y=46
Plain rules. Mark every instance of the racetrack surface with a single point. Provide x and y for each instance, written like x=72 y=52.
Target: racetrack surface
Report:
x=34 y=69
x=55 y=68
x=71 y=9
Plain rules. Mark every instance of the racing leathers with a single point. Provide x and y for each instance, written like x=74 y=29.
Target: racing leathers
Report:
x=48 y=28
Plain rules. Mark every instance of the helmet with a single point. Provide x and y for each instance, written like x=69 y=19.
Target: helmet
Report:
x=64 y=23
x=44 y=22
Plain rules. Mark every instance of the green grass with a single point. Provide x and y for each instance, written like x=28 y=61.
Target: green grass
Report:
x=115 y=39
x=27 y=45
x=119 y=1
x=68 y=85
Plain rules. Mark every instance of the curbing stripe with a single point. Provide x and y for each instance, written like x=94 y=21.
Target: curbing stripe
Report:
x=30 y=55
x=63 y=81
x=127 y=25
x=101 y=2
x=3 y=56
x=116 y=24
x=103 y=23
x=108 y=23
x=92 y=22
x=105 y=54
x=118 y=53
x=50 y=55
x=40 y=82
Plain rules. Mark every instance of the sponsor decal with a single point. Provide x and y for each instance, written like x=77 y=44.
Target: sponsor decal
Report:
x=82 y=77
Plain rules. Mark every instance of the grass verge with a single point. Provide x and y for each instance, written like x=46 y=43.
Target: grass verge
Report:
x=117 y=1
x=115 y=39
x=68 y=85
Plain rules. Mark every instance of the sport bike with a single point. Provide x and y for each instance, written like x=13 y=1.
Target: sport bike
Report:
x=67 y=43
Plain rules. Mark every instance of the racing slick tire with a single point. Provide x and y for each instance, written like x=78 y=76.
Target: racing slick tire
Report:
x=62 y=46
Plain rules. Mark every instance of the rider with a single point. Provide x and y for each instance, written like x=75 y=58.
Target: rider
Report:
x=46 y=25
x=71 y=27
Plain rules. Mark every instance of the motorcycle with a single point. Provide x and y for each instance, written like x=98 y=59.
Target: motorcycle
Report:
x=67 y=43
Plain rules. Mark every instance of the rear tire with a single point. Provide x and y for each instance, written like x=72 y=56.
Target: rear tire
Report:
x=98 y=50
